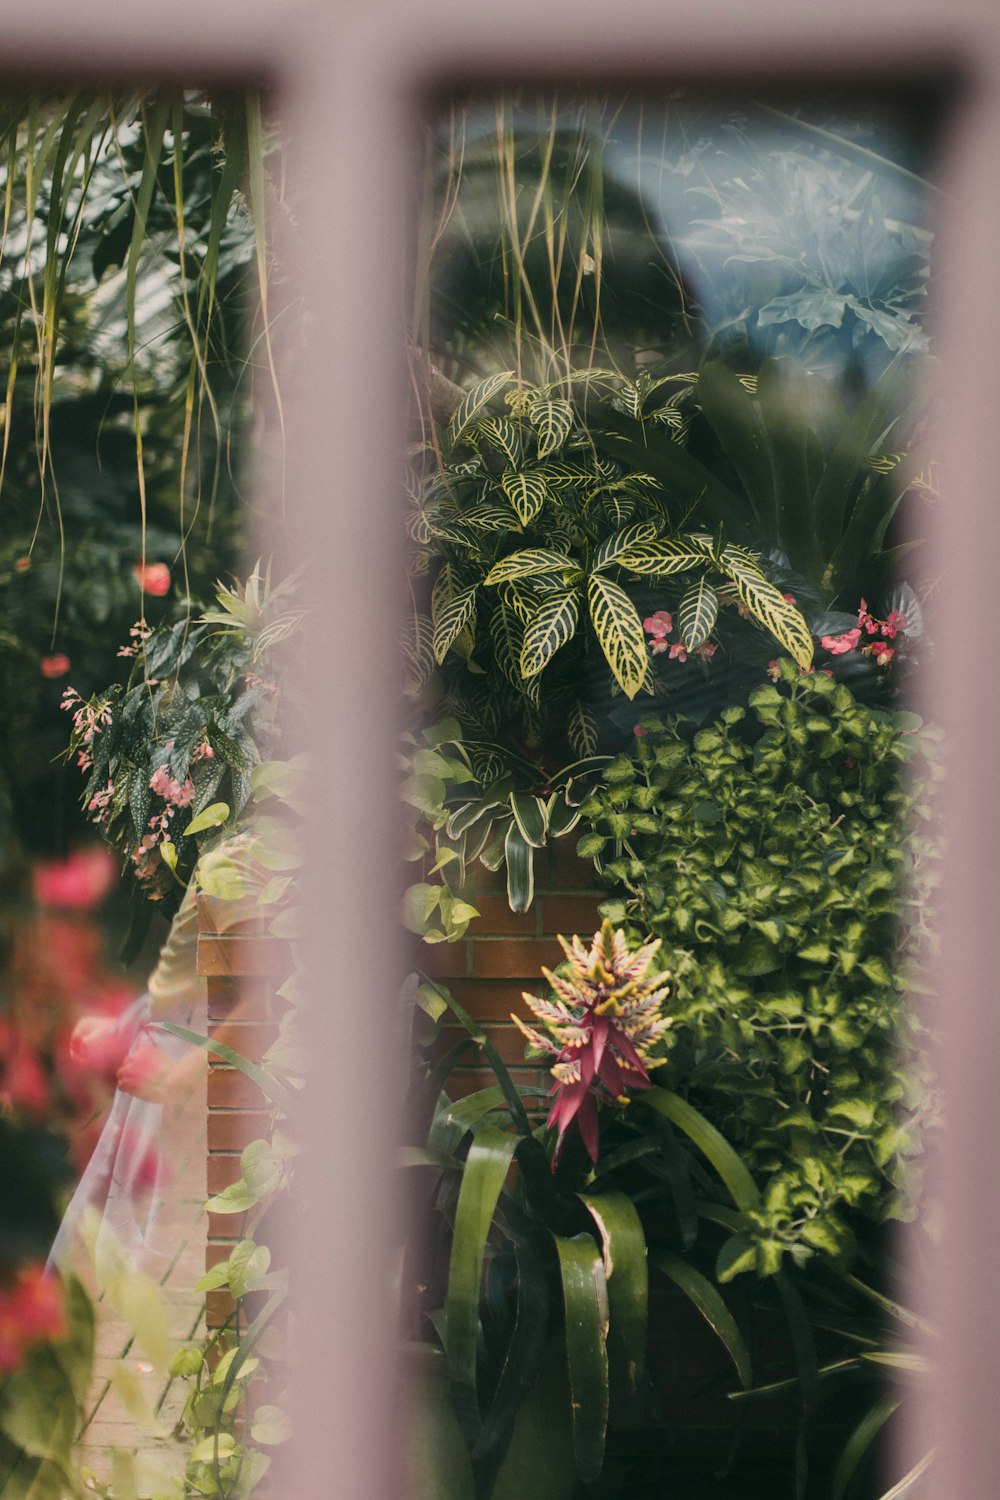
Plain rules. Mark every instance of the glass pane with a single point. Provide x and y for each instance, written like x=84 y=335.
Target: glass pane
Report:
x=138 y=669
x=665 y=498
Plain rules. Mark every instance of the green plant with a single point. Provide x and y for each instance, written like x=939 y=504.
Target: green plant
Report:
x=563 y=1250
x=535 y=540
x=770 y=853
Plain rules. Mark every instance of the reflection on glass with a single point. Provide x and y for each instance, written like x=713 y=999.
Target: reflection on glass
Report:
x=147 y=799
x=665 y=504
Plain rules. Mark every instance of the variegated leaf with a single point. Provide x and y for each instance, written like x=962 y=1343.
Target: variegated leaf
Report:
x=452 y=610
x=527 y=563
x=581 y=730
x=619 y=630
x=551 y=628
x=619 y=509
x=418 y=647
x=489 y=517
x=523 y=600
x=563 y=476
x=697 y=613
x=553 y=421
x=503 y=435
x=475 y=401
x=777 y=614
x=526 y=493
x=740 y=559
x=612 y=548
x=657 y=559
x=418 y=527
x=507 y=632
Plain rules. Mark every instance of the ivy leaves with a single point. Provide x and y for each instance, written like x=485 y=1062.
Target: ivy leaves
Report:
x=767 y=851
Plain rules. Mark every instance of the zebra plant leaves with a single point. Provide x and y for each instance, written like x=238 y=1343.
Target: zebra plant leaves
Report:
x=551 y=628
x=616 y=547
x=659 y=559
x=528 y=563
x=475 y=402
x=451 y=611
x=553 y=421
x=619 y=631
x=526 y=492
x=697 y=613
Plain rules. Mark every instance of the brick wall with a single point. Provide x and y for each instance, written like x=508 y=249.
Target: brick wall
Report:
x=242 y=969
x=502 y=954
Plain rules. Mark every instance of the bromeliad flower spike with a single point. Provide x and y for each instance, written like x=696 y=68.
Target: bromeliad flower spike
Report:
x=607 y=1019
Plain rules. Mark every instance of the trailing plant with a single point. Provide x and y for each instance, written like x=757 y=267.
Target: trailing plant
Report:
x=779 y=854
x=162 y=751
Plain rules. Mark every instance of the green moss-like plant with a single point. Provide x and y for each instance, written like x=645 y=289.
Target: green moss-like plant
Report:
x=774 y=856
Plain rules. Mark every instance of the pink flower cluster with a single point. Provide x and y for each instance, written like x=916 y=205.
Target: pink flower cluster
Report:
x=88 y=719
x=880 y=633
x=164 y=785
x=659 y=627
x=140 y=633
x=31 y=1309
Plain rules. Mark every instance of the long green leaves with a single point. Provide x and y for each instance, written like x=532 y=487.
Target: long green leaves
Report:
x=713 y=1309
x=485 y=1170
x=585 y=1300
x=709 y=1141
x=623 y=1251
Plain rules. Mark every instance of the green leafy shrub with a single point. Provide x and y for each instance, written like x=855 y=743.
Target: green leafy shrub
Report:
x=539 y=546
x=768 y=853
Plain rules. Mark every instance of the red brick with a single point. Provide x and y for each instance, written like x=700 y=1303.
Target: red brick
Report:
x=230 y=1089
x=224 y=1227
x=244 y=997
x=443 y=960
x=231 y=1130
x=571 y=914
x=513 y=958
x=243 y=956
x=506 y=1039
x=492 y=999
x=220 y=1171
x=471 y=1080
x=495 y=916
x=250 y=1039
x=214 y=1254
x=219 y=1308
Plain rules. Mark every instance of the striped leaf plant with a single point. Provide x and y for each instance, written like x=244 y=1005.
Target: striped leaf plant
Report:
x=538 y=550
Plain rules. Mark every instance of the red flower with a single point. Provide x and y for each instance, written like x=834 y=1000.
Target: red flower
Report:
x=152 y=578
x=22 y=565
x=31 y=1309
x=54 y=666
x=80 y=880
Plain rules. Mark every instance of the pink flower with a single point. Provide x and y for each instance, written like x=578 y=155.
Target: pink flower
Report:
x=679 y=652
x=658 y=646
x=54 y=666
x=639 y=732
x=773 y=671
x=839 y=645
x=152 y=578
x=893 y=622
x=883 y=653
x=79 y=881
x=22 y=564
x=164 y=785
x=658 y=625
x=789 y=597
x=31 y=1309
x=706 y=650
x=602 y=1026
